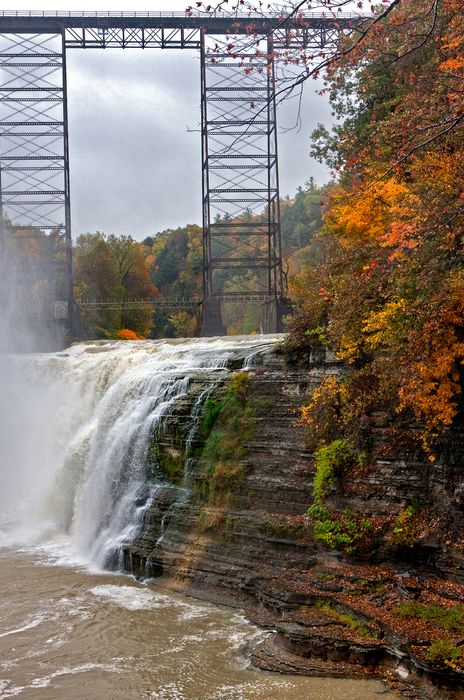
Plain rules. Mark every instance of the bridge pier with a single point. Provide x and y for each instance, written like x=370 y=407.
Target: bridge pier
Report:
x=211 y=318
x=34 y=158
x=273 y=312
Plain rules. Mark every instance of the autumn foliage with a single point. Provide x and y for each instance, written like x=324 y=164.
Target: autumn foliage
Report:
x=388 y=290
x=114 y=269
x=126 y=334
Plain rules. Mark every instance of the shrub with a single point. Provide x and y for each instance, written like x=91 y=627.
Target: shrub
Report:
x=126 y=334
x=322 y=416
x=443 y=653
x=332 y=462
x=344 y=531
x=406 y=527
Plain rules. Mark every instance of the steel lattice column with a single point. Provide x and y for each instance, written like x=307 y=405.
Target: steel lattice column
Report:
x=241 y=215
x=34 y=158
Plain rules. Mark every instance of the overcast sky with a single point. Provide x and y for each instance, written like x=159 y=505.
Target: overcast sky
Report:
x=135 y=166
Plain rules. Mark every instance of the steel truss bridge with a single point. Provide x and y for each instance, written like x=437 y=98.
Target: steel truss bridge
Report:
x=239 y=91
x=172 y=303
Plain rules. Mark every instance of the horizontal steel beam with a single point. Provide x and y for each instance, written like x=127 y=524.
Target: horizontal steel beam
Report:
x=221 y=23
x=171 y=30
x=105 y=305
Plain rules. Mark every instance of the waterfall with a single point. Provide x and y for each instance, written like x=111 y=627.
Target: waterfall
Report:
x=75 y=429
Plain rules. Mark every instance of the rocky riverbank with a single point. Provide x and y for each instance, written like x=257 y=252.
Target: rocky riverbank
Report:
x=230 y=523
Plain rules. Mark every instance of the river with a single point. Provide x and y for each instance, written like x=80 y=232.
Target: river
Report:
x=74 y=429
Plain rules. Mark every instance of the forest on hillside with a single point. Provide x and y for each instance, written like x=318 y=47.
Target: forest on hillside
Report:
x=168 y=265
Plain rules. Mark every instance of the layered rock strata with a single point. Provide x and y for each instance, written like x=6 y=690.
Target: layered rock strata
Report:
x=240 y=534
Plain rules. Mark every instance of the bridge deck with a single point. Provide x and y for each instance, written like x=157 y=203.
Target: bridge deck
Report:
x=185 y=28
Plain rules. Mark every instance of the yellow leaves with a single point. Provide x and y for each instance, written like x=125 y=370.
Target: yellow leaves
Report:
x=327 y=391
x=348 y=350
x=440 y=171
x=454 y=286
x=383 y=328
x=322 y=416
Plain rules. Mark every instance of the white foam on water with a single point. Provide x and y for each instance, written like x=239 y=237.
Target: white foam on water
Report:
x=170 y=691
x=9 y=691
x=193 y=611
x=258 y=688
x=35 y=621
x=131 y=597
x=137 y=598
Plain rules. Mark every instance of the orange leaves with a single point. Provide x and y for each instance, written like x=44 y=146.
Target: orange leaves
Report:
x=399 y=233
x=452 y=64
x=431 y=377
x=368 y=213
x=400 y=237
x=389 y=293
x=126 y=334
x=432 y=387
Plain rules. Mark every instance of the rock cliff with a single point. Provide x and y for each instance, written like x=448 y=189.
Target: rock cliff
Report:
x=229 y=521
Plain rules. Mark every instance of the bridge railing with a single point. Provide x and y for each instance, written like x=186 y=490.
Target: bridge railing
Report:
x=149 y=13
x=174 y=303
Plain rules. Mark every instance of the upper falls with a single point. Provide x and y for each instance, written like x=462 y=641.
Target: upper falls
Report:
x=76 y=429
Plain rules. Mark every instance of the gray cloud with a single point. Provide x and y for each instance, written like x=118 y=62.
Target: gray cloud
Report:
x=135 y=168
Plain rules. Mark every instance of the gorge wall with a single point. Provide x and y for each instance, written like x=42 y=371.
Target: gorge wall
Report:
x=229 y=521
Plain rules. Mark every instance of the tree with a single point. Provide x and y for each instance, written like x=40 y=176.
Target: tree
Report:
x=388 y=293
x=364 y=29
x=113 y=269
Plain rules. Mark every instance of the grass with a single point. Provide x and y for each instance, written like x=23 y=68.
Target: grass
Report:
x=279 y=528
x=172 y=465
x=210 y=520
x=449 y=619
x=345 y=619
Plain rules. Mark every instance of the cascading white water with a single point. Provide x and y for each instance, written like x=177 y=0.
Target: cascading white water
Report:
x=74 y=432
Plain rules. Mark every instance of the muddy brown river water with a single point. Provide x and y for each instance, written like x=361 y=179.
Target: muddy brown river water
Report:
x=69 y=633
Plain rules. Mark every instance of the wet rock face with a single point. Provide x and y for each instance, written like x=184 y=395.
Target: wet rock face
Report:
x=230 y=520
